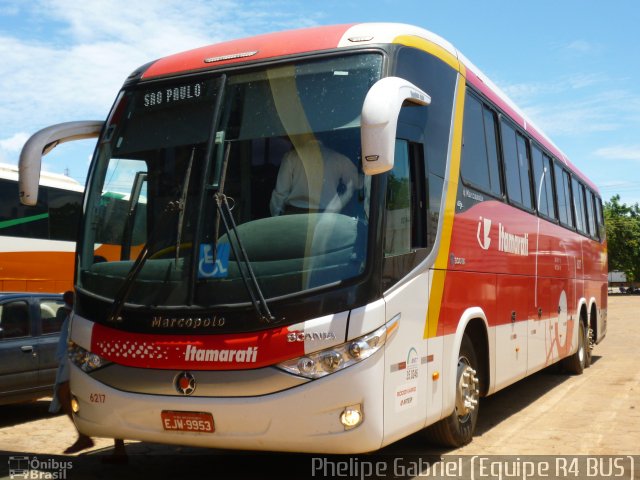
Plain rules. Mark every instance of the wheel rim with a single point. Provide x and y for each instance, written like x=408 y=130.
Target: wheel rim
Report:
x=581 y=354
x=467 y=393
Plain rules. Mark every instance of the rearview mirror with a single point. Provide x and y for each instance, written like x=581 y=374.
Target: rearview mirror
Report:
x=379 y=120
x=41 y=143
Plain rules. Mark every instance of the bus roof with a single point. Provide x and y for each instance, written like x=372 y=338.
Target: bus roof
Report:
x=47 y=179
x=307 y=40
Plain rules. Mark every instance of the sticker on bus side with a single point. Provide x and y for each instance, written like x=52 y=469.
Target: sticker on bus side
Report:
x=213 y=267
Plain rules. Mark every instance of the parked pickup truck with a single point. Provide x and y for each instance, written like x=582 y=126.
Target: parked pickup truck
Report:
x=29 y=331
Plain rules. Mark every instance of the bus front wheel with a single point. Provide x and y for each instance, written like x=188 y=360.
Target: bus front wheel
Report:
x=457 y=429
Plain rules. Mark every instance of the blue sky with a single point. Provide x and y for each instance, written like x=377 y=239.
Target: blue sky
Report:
x=571 y=65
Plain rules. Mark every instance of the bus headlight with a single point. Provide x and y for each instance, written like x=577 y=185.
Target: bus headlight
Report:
x=330 y=360
x=84 y=359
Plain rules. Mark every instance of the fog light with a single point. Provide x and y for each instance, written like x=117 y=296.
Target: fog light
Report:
x=351 y=417
x=75 y=406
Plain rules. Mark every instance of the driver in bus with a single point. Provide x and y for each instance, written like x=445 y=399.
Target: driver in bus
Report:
x=313 y=178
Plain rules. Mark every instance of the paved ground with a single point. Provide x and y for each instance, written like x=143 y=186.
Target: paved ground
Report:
x=597 y=413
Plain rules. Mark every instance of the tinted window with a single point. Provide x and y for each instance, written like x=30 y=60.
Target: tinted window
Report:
x=55 y=217
x=398 y=214
x=591 y=217
x=64 y=213
x=52 y=315
x=539 y=176
x=17 y=220
x=578 y=205
x=548 y=181
x=601 y=230
x=490 y=126
x=523 y=167
x=543 y=182
x=564 y=196
x=14 y=319
x=479 y=153
x=512 y=172
x=438 y=80
x=474 y=148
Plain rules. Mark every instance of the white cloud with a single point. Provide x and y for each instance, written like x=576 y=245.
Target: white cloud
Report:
x=87 y=49
x=573 y=119
x=619 y=152
x=577 y=105
x=531 y=91
x=582 y=46
x=11 y=146
x=15 y=142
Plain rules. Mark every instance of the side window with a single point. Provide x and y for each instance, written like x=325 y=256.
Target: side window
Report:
x=601 y=229
x=525 y=175
x=14 y=320
x=17 y=220
x=407 y=212
x=578 y=205
x=398 y=227
x=516 y=160
x=126 y=191
x=542 y=175
x=65 y=208
x=539 y=176
x=591 y=214
x=490 y=132
x=512 y=172
x=52 y=315
x=479 y=151
x=548 y=181
x=438 y=80
x=563 y=192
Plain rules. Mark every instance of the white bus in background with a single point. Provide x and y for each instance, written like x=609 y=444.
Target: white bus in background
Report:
x=37 y=244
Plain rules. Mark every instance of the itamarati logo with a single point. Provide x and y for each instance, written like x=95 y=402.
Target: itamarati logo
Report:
x=195 y=354
x=511 y=243
x=35 y=468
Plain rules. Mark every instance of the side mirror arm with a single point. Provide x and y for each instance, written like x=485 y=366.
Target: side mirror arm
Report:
x=41 y=143
x=379 y=120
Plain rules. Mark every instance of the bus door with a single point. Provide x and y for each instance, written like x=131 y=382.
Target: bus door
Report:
x=408 y=393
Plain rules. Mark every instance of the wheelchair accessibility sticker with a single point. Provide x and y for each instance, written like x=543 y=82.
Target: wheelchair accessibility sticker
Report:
x=213 y=267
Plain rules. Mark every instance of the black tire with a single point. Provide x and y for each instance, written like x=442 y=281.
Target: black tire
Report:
x=458 y=428
x=577 y=362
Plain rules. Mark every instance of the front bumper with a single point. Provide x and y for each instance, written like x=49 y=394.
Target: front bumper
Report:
x=305 y=418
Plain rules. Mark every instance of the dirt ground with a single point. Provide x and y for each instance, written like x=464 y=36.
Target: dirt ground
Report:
x=550 y=413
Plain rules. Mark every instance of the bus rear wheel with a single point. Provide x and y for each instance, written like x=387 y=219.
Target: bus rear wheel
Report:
x=457 y=429
x=577 y=362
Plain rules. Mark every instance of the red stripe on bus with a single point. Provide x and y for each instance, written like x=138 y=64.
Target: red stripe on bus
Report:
x=240 y=351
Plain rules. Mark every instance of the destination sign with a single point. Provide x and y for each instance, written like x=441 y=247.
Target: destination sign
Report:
x=172 y=95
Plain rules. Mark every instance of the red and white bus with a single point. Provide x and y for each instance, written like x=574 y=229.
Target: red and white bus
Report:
x=456 y=251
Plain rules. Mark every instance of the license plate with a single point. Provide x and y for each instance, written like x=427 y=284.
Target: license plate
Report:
x=187 y=421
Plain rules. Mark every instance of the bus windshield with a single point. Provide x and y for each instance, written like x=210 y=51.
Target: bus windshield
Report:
x=280 y=146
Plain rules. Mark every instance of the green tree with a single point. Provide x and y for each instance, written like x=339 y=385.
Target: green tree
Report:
x=623 y=237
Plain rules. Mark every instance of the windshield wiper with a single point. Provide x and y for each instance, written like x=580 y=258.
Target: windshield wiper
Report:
x=141 y=259
x=248 y=278
x=127 y=285
x=182 y=206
